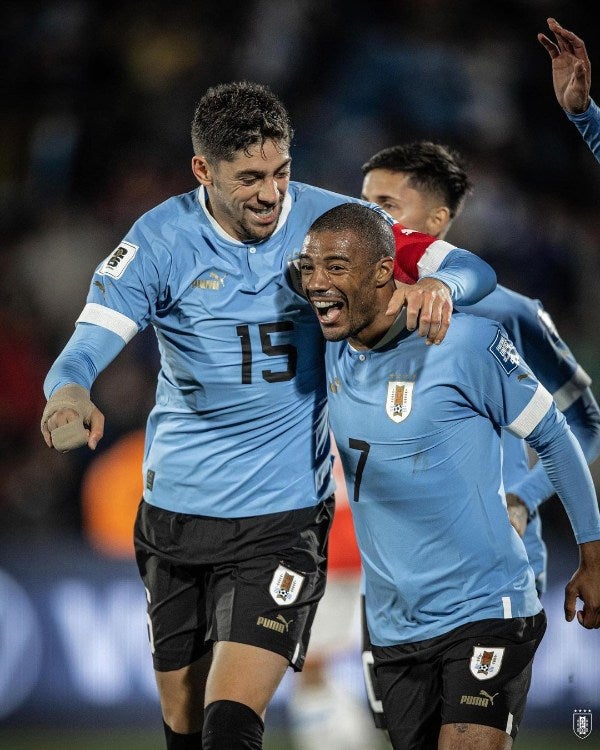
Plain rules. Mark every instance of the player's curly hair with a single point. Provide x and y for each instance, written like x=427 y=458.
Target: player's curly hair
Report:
x=235 y=116
x=433 y=168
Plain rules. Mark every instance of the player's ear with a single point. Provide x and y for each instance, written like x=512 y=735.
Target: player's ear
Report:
x=384 y=271
x=202 y=170
x=437 y=221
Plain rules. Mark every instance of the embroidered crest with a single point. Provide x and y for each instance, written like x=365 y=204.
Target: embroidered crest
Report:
x=285 y=585
x=118 y=260
x=505 y=352
x=486 y=661
x=582 y=722
x=399 y=399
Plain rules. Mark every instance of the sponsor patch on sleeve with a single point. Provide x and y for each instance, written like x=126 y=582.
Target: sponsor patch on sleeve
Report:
x=505 y=352
x=118 y=260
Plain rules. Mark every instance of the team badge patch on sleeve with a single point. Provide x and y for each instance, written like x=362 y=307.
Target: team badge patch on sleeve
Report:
x=505 y=352
x=486 y=661
x=285 y=585
x=118 y=260
x=399 y=399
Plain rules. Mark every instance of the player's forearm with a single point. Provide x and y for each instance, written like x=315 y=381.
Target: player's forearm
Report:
x=565 y=464
x=89 y=350
x=583 y=417
x=468 y=276
x=588 y=124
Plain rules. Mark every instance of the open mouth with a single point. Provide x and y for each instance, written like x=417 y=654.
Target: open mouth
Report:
x=265 y=215
x=328 y=311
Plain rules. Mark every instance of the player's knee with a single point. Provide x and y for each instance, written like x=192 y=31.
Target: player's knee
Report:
x=229 y=725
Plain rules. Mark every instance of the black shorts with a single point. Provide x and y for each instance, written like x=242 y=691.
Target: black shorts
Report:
x=254 y=580
x=478 y=673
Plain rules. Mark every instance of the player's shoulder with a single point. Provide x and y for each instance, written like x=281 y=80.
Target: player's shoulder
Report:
x=172 y=210
x=304 y=195
x=473 y=331
x=475 y=341
x=504 y=304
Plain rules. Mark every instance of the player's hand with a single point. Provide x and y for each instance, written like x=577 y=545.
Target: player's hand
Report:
x=517 y=512
x=585 y=585
x=70 y=420
x=571 y=68
x=428 y=305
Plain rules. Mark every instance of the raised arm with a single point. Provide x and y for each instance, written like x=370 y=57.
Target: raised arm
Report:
x=572 y=79
x=571 y=68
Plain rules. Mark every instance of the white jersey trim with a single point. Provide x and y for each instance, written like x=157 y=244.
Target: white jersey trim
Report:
x=507 y=607
x=571 y=391
x=433 y=257
x=509 y=723
x=532 y=414
x=111 y=319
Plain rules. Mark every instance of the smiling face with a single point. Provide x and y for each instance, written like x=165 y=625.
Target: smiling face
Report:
x=245 y=195
x=345 y=287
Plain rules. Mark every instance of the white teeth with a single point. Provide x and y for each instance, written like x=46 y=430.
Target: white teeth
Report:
x=324 y=305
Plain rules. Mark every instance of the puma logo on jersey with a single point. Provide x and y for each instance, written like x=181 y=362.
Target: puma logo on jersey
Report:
x=213 y=282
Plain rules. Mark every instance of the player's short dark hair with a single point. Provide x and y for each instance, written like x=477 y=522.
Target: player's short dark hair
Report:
x=376 y=236
x=235 y=116
x=433 y=168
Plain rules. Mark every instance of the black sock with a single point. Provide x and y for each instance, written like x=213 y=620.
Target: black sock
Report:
x=229 y=725
x=176 y=741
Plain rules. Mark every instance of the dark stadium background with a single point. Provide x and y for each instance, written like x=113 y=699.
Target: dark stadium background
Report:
x=97 y=98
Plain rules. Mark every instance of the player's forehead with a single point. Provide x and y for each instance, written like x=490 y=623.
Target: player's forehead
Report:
x=386 y=183
x=259 y=158
x=327 y=245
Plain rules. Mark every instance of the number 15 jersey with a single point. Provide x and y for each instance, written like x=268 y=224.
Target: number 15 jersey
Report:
x=239 y=427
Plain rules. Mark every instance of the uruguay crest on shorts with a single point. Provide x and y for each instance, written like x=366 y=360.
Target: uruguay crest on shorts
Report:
x=285 y=585
x=486 y=661
x=582 y=722
x=399 y=399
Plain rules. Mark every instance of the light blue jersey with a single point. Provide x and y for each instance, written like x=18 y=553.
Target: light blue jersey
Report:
x=240 y=422
x=532 y=331
x=419 y=429
x=588 y=124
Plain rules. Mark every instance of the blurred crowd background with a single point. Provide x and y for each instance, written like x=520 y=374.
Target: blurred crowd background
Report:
x=97 y=103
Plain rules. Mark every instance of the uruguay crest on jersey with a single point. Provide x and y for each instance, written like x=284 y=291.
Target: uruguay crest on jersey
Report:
x=399 y=399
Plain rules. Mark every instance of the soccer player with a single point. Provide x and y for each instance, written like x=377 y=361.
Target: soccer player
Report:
x=452 y=607
x=572 y=79
x=424 y=185
x=231 y=533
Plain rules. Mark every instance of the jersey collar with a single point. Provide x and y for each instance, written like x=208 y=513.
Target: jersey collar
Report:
x=285 y=210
